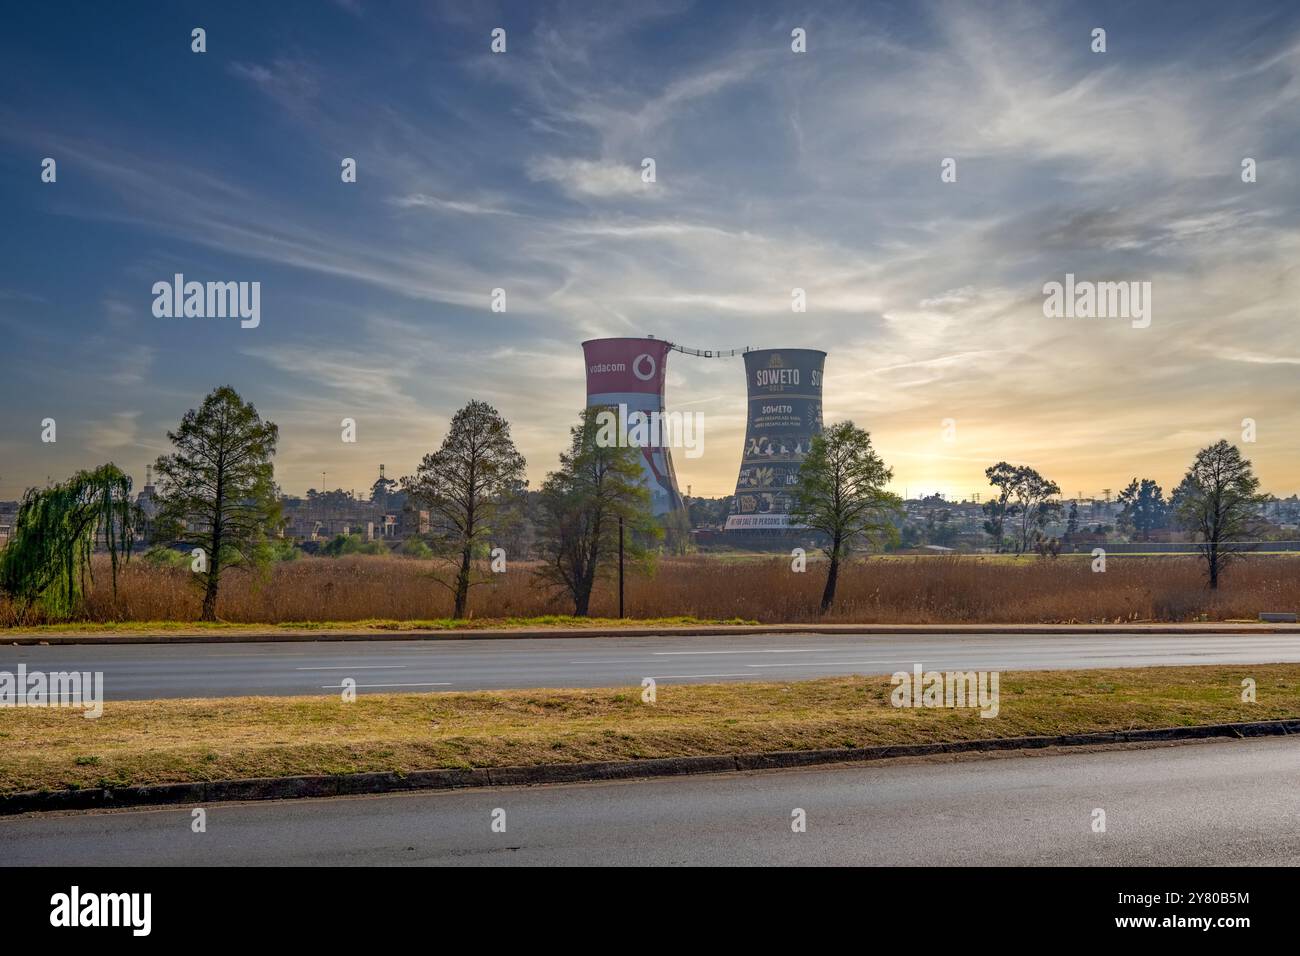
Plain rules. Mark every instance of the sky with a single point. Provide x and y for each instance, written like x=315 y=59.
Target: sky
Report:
x=774 y=170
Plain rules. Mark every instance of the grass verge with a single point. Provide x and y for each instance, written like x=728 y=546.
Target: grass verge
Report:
x=378 y=625
x=176 y=741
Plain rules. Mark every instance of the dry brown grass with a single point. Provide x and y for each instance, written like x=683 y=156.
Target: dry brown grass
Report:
x=160 y=741
x=875 y=590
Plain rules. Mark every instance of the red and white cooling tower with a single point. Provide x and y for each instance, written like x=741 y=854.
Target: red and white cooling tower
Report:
x=631 y=372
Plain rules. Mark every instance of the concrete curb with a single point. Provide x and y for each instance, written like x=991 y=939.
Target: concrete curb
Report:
x=281 y=788
x=277 y=636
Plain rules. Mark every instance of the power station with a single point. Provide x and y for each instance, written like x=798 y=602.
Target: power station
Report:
x=785 y=412
x=630 y=372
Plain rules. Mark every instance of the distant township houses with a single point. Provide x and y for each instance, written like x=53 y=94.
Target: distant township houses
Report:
x=320 y=516
x=8 y=515
x=931 y=522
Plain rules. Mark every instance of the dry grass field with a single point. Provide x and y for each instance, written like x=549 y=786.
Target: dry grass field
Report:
x=922 y=590
x=163 y=741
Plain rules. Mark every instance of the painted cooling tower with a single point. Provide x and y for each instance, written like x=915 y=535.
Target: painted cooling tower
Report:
x=631 y=372
x=785 y=411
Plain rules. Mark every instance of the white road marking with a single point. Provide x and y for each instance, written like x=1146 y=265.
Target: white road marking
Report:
x=691 y=676
x=354 y=667
x=619 y=661
x=827 y=664
x=781 y=650
x=421 y=684
x=791 y=650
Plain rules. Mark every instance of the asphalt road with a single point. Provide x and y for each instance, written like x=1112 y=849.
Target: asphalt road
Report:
x=1215 y=803
x=148 y=671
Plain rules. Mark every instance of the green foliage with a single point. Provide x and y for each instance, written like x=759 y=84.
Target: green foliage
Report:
x=47 y=561
x=1002 y=476
x=278 y=549
x=343 y=544
x=1023 y=494
x=597 y=484
x=415 y=548
x=1144 y=509
x=217 y=490
x=1218 y=501
x=162 y=557
x=841 y=493
x=841 y=489
x=473 y=487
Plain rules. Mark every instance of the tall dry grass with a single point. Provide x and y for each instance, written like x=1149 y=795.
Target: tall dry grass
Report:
x=874 y=590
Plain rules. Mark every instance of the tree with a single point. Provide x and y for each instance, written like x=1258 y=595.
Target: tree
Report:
x=471 y=485
x=47 y=560
x=580 y=505
x=1033 y=505
x=1144 y=508
x=217 y=491
x=1218 y=500
x=1003 y=477
x=841 y=494
x=1072 y=521
x=382 y=490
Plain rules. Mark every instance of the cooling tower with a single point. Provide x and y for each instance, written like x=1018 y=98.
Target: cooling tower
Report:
x=785 y=412
x=631 y=372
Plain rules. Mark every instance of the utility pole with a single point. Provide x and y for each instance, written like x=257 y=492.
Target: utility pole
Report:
x=620 y=566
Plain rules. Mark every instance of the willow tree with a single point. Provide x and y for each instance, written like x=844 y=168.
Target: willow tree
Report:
x=47 y=561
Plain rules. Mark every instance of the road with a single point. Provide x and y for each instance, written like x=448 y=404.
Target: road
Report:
x=148 y=671
x=1213 y=803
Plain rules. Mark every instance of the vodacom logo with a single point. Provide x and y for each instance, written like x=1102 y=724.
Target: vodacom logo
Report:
x=636 y=366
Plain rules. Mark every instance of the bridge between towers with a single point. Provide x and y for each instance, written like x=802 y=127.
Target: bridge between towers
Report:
x=709 y=353
x=784 y=412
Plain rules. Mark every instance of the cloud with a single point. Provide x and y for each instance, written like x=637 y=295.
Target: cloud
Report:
x=776 y=171
x=119 y=432
x=599 y=179
x=435 y=204
x=293 y=84
x=132 y=366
